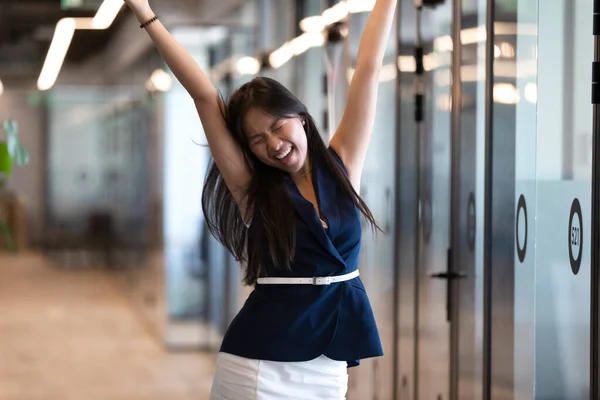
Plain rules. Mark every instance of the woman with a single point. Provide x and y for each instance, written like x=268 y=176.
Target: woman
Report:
x=288 y=207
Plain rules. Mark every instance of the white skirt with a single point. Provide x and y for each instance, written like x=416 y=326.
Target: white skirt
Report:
x=239 y=378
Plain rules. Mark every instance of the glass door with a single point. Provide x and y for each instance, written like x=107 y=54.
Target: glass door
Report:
x=425 y=171
x=441 y=198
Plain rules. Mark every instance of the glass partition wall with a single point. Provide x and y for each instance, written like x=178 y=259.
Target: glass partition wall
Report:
x=503 y=311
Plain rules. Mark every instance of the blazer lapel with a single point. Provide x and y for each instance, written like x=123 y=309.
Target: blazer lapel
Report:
x=326 y=191
x=308 y=214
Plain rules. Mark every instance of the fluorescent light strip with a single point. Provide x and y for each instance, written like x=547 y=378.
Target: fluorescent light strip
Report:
x=247 y=66
x=1 y=87
x=85 y=24
x=313 y=30
x=63 y=35
x=316 y=23
x=358 y=6
x=107 y=13
x=336 y=13
x=295 y=47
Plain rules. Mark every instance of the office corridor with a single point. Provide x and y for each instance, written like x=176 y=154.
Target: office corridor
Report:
x=72 y=335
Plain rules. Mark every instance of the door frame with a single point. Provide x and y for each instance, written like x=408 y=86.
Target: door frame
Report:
x=455 y=202
x=487 y=207
x=595 y=239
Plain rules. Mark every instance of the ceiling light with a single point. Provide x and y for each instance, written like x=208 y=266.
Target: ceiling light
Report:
x=507 y=50
x=477 y=34
x=305 y=41
x=358 y=6
x=107 y=13
x=443 y=43
x=86 y=24
x=247 y=66
x=316 y=23
x=159 y=81
x=408 y=64
x=336 y=13
x=281 y=55
x=506 y=93
x=63 y=34
x=497 y=51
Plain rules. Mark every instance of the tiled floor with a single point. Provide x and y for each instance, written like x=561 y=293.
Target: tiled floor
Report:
x=72 y=335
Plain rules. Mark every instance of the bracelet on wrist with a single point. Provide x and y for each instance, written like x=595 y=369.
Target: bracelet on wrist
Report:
x=151 y=20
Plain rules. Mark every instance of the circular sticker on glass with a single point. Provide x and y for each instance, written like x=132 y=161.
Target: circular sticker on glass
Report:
x=575 y=236
x=521 y=228
x=471 y=221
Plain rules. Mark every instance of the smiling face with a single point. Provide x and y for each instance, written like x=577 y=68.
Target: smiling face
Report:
x=278 y=142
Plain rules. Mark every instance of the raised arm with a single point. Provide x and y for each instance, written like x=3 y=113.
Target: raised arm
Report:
x=351 y=140
x=227 y=154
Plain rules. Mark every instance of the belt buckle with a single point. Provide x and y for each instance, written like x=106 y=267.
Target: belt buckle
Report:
x=319 y=281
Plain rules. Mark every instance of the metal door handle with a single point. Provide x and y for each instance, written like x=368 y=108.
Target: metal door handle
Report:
x=449 y=275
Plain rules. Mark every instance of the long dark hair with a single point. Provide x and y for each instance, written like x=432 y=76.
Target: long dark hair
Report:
x=268 y=202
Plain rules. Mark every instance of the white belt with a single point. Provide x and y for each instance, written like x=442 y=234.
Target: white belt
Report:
x=324 y=280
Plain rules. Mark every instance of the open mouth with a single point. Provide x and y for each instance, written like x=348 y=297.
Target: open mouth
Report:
x=285 y=156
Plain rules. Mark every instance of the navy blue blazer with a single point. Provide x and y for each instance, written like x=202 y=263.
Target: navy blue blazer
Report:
x=303 y=322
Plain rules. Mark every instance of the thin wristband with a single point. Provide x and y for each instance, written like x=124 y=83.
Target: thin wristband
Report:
x=151 y=20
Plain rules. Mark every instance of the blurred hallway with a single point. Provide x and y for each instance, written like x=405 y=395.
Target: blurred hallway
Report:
x=72 y=335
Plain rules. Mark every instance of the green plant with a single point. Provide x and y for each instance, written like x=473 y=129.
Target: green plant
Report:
x=12 y=153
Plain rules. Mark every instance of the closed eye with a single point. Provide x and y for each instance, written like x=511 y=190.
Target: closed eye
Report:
x=278 y=127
